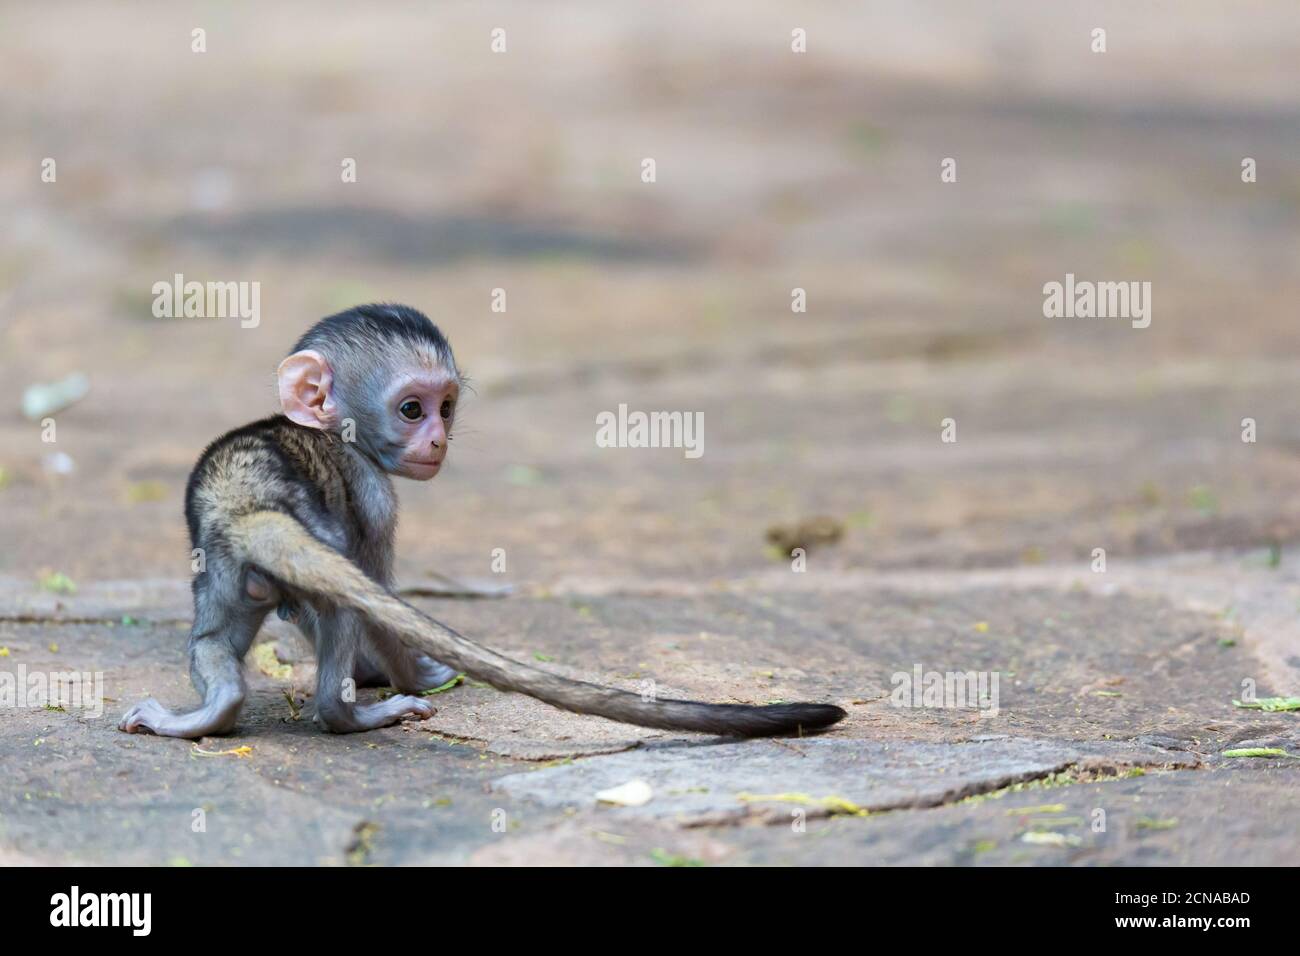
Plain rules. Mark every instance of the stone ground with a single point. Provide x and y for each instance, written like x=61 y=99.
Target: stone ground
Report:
x=775 y=171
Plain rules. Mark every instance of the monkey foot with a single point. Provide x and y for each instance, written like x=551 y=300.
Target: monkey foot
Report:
x=417 y=675
x=431 y=674
x=151 y=717
x=142 y=718
x=359 y=717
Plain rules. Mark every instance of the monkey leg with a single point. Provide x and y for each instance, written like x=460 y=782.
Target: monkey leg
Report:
x=410 y=671
x=225 y=623
x=339 y=633
x=368 y=671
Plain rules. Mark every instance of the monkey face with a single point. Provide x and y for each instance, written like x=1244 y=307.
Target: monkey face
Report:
x=422 y=409
x=381 y=376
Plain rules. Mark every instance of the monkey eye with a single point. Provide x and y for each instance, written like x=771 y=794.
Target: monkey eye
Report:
x=445 y=411
x=411 y=410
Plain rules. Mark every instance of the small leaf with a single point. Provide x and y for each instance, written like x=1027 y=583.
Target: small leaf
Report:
x=1153 y=823
x=458 y=679
x=266 y=661
x=1271 y=704
x=664 y=858
x=1044 y=808
x=634 y=793
x=1051 y=839
x=1259 y=752
x=244 y=751
x=833 y=804
x=58 y=583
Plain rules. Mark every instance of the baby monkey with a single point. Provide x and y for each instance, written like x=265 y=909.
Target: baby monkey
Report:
x=297 y=512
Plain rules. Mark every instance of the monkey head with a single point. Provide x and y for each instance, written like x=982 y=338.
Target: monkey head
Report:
x=382 y=376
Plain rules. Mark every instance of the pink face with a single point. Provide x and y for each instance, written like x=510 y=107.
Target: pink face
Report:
x=423 y=407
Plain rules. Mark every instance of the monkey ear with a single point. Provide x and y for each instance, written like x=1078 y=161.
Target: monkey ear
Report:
x=307 y=390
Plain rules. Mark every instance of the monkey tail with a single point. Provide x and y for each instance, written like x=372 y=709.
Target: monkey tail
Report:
x=280 y=545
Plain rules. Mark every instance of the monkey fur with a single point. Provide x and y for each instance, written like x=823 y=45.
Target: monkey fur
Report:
x=290 y=514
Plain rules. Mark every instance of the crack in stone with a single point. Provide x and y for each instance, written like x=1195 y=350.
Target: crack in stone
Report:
x=698 y=784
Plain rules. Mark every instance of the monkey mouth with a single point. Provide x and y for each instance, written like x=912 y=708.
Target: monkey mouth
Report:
x=422 y=463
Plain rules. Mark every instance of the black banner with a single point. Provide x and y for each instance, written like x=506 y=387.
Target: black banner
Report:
x=300 y=905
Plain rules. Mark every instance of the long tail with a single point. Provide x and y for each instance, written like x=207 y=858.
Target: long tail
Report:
x=278 y=544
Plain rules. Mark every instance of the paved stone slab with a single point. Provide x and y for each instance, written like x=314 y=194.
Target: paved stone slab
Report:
x=158 y=600
x=1071 y=664
x=75 y=790
x=1238 y=815
x=419 y=793
x=1243 y=814
x=697 y=784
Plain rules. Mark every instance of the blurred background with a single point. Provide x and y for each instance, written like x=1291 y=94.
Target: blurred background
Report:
x=775 y=170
